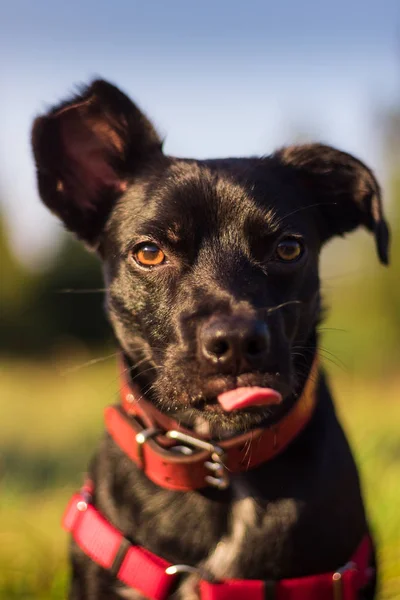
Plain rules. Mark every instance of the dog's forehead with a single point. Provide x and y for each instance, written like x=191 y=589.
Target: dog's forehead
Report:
x=208 y=198
x=217 y=193
x=207 y=193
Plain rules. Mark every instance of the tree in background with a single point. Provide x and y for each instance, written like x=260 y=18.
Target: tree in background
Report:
x=42 y=310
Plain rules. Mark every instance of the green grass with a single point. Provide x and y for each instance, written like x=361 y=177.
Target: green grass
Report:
x=51 y=419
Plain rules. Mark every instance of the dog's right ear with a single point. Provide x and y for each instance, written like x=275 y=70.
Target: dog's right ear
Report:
x=85 y=151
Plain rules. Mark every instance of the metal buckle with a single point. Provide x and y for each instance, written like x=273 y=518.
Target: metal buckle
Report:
x=188 y=570
x=142 y=437
x=338 y=582
x=177 y=569
x=86 y=498
x=82 y=505
x=218 y=477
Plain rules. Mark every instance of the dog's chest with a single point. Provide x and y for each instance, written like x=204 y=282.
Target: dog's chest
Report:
x=256 y=535
x=244 y=537
x=253 y=541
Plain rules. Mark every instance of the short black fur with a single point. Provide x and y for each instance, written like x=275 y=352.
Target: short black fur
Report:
x=219 y=223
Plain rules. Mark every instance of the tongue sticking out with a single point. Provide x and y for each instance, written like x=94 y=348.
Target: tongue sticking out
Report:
x=244 y=397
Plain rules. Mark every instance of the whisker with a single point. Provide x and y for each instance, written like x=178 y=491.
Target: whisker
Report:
x=143 y=392
x=113 y=379
x=306 y=373
x=153 y=368
x=293 y=212
x=89 y=363
x=326 y=354
x=94 y=361
x=249 y=451
x=80 y=291
x=331 y=354
x=278 y=306
x=136 y=365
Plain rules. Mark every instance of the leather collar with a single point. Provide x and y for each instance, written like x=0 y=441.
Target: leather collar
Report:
x=176 y=459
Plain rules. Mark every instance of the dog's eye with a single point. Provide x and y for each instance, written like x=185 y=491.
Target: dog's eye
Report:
x=289 y=250
x=148 y=255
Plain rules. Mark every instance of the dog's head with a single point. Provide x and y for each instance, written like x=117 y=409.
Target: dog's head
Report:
x=211 y=266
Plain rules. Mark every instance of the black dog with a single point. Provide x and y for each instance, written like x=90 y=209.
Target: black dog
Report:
x=212 y=285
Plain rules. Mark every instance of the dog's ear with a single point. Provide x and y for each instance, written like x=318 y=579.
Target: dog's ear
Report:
x=343 y=190
x=85 y=150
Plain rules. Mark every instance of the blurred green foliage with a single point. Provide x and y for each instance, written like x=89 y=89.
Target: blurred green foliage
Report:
x=59 y=306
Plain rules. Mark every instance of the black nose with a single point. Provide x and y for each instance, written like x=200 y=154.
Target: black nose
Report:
x=234 y=344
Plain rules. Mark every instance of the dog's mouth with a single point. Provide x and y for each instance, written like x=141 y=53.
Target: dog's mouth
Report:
x=226 y=402
x=246 y=391
x=236 y=403
x=245 y=397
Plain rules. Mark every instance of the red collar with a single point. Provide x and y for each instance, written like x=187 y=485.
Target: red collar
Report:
x=174 y=459
x=154 y=577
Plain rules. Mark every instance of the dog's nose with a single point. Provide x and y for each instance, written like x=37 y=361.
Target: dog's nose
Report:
x=234 y=344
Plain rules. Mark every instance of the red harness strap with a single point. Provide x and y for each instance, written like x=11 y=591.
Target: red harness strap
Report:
x=138 y=568
x=146 y=572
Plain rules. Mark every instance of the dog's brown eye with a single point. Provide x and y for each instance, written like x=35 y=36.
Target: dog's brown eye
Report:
x=149 y=255
x=289 y=250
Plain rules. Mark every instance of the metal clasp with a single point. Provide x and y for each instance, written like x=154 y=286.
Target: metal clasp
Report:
x=85 y=496
x=337 y=580
x=142 y=437
x=218 y=477
x=189 y=570
x=177 y=569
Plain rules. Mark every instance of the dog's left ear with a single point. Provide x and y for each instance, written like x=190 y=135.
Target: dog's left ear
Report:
x=343 y=190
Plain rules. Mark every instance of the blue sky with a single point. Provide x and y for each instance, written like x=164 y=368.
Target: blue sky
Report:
x=218 y=78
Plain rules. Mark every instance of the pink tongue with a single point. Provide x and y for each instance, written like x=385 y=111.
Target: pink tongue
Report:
x=248 y=396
